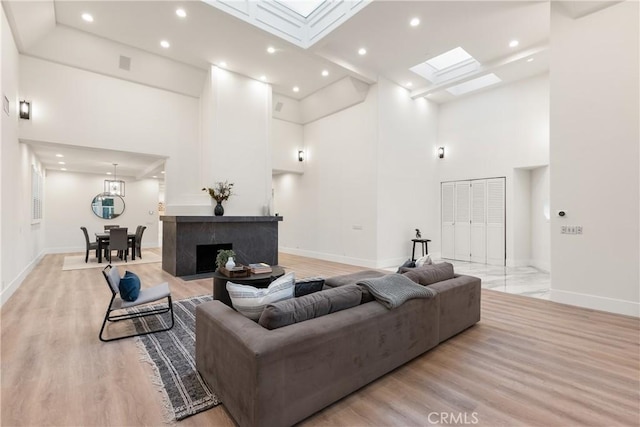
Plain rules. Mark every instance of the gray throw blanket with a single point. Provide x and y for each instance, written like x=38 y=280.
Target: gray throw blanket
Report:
x=393 y=290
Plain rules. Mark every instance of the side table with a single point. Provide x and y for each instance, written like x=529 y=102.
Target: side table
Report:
x=425 y=249
x=256 y=280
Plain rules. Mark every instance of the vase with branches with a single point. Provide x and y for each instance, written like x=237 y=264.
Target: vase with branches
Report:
x=220 y=192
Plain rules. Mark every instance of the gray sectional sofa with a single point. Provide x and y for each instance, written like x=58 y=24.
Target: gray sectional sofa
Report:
x=281 y=376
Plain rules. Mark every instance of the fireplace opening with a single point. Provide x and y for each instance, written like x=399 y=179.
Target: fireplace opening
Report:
x=206 y=256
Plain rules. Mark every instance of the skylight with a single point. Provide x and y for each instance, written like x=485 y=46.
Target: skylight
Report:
x=303 y=8
x=446 y=66
x=449 y=59
x=475 y=84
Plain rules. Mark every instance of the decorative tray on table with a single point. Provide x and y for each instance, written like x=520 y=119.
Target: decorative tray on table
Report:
x=237 y=271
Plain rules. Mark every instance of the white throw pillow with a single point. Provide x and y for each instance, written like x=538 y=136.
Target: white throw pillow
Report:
x=425 y=260
x=250 y=301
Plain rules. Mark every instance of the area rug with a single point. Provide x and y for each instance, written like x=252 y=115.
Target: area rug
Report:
x=172 y=356
x=76 y=262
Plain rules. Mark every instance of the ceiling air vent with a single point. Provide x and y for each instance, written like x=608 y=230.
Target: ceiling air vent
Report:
x=278 y=106
x=125 y=63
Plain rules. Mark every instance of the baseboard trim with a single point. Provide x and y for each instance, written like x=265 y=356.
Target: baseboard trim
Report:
x=7 y=292
x=595 y=302
x=329 y=257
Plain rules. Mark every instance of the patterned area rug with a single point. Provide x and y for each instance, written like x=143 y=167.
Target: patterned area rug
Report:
x=172 y=354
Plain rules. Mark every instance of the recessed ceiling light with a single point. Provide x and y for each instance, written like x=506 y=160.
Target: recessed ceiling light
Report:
x=165 y=44
x=296 y=89
x=59 y=155
x=271 y=49
x=87 y=17
x=108 y=173
x=325 y=73
x=263 y=78
x=223 y=64
x=409 y=84
x=162 y=172
x=181 y=13
x=415 y=22
x=530 y=60
x=63 y=169
x=362 y=51
x=514 y=43
x=61 y=163
x=153 y=176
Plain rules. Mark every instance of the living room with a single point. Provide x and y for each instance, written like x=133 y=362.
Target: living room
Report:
x=371 y=172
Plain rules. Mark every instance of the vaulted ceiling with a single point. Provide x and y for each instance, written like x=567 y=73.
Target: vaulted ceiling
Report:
x=133 y=30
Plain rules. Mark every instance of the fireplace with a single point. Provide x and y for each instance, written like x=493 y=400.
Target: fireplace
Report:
x=255 y=239
x=206 y=256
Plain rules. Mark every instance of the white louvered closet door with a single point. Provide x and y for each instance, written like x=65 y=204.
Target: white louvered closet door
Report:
x=479 y=221
x=496 y=221
x=447 y=204
x=462 y=226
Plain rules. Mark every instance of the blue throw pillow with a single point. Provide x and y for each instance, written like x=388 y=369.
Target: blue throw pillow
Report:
x=129 y=286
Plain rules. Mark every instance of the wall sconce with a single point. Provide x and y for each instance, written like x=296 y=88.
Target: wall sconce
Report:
x=25 y=110
x=441 y=152
x=300 y=155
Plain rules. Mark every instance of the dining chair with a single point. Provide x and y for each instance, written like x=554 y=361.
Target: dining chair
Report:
x=119 y=241
x=89 y=245
x=109 y=227
x=147 y=295
x=138 y=244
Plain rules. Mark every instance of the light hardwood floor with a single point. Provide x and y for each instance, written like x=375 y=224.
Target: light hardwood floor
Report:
x=528 y=362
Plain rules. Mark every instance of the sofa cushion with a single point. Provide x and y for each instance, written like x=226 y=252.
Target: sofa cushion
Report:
x=408 y=264
x=424 y=260
x=429 y=274
x=352 y=279
x=308 y=286
x=250 y=301
x=310 y=306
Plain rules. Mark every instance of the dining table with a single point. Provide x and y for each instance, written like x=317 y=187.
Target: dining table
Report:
x=103 y=243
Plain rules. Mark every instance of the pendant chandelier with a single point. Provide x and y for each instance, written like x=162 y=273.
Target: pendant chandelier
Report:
x=114 y=186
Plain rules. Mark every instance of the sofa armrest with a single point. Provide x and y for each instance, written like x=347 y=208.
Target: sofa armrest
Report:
x=459 y=304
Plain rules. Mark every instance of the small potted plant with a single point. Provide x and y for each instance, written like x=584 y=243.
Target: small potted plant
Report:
x=220 y=192
x=223 y=257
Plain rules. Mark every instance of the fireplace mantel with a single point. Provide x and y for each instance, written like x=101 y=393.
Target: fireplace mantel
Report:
x=254 y=239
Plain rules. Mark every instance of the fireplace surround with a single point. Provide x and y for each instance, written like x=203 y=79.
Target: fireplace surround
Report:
x=253 y=239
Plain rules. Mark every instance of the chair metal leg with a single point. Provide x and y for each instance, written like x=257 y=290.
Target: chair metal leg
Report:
x=130 y=316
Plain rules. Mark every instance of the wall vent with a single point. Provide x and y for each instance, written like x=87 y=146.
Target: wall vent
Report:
x=279 y=106
x=125 y=63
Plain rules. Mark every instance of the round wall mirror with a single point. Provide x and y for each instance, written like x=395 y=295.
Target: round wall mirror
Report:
x=107 y=206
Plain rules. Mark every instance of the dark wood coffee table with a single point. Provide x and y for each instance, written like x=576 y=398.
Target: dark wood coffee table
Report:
x=256 y=280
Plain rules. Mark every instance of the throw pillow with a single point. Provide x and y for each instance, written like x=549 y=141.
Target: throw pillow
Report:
x=430 y=274
x=308 y=286
x=310 y=306
x=250 y=301
x=404 y=267
x=424 y=260
x=129 y=286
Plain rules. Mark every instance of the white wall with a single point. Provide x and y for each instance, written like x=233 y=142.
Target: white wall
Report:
x=540 y=254
x=493 y=132
x=407 y=191
x=286 y=140
x=520 y=217
x=330 y=211
x=68 y=207
x=76 y=107
x=594 y=155
x=21 y=243
x=235 y=144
